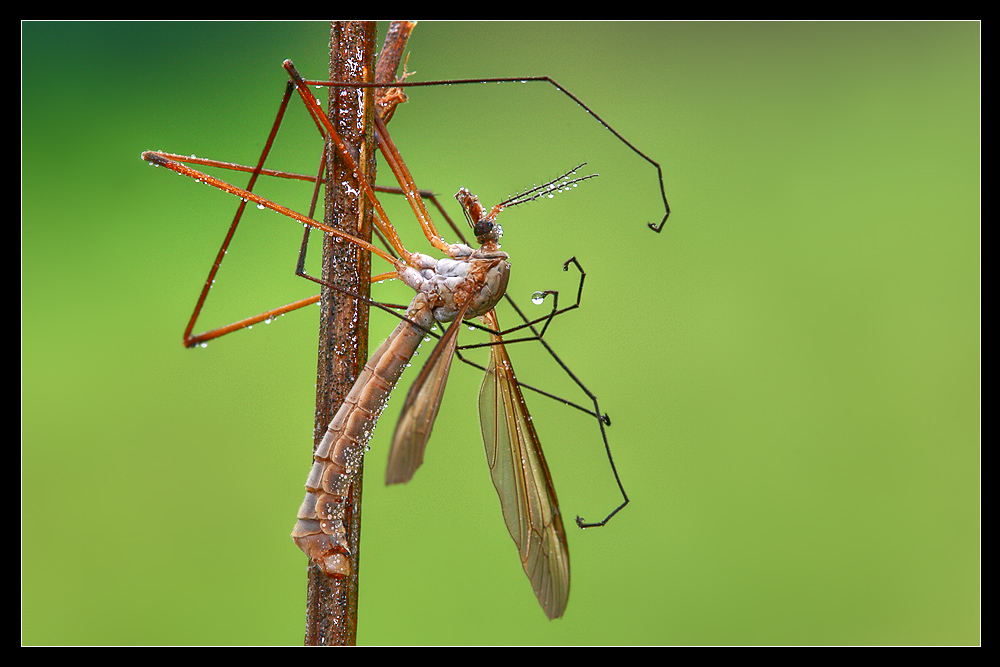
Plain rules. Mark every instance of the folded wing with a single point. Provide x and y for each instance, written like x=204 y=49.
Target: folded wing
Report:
x=522 y=480
x=421 y=407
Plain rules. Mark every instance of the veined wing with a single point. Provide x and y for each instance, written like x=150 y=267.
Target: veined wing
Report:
x=522 y=480
x=421 y=407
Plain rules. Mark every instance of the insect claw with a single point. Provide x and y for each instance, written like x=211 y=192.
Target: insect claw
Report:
x=154 y=158
x=658 y=228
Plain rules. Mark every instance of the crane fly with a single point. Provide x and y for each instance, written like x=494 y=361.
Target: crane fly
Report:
x=467 y=283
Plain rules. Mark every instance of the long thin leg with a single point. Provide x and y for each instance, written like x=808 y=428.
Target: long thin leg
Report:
x=160 y=160
x=656 y=227
x=315 y=110
x=203 y=338
x=602 y=418
x=399 y=169
x=402 y=174
x=386 y=230
x=392 y=158
x=537 y=298
x=547 y=319
x=602 y=421
x=166 y=159
x=190 y=340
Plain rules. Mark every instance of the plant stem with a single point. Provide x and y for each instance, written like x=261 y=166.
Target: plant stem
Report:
x=332 y=604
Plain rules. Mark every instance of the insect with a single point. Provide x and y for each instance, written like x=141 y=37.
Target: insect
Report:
x=469 y=282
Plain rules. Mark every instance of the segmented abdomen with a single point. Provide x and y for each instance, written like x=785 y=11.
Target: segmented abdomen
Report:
x=320 y=530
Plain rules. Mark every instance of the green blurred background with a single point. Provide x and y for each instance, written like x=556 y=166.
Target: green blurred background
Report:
x=792 y=367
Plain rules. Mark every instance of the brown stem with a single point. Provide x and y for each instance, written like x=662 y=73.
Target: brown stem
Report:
x=392 y=51
x=332 y=603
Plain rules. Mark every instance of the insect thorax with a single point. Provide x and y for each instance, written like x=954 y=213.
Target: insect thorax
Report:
x=481 y=277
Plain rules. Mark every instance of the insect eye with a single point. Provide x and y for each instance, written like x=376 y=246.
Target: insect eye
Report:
x=482 y=228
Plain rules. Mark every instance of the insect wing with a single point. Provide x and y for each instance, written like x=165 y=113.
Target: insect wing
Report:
x=421 y=407
x=522 y=480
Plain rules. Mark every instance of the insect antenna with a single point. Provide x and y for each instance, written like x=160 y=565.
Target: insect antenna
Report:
x=558 y=184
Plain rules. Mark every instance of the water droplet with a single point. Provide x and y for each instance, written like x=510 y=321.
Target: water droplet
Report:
x=537 y=298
